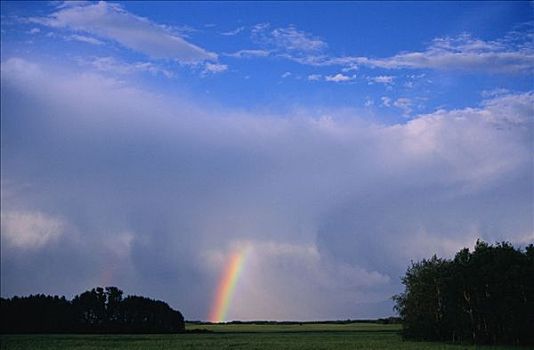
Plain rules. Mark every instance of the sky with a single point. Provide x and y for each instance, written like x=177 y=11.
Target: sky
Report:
x=144 y=144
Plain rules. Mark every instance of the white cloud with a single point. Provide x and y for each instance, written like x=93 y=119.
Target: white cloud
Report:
x=494 y=92
x=514 y=53
x=260 y=27
x=84 y=39
x=114 y=66
x=288 y=39
x=34 y=31
x=214 y=68
x=183 y=30
x=462 y=53
x=292 y=39
x=314 y=77
x=386 y=101
x=234 y=32
x=286 y=75
x=249 y=53
x=30 y=230
x=405 y=104
x=381 y=79
x=111 y=21
x=339 y=78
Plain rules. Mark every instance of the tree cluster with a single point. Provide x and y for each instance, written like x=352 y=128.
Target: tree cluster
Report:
x=484 y=297
x=100 y=310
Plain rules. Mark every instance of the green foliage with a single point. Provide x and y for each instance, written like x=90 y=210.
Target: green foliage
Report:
x=485 y=296
x=234 y=336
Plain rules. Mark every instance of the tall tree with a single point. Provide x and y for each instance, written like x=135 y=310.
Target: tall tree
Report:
x=485 y=296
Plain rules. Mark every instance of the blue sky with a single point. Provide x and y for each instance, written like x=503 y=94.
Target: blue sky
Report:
x=278 y=68
x=144 y=142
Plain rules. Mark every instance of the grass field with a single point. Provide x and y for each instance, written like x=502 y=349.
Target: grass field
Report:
x=241 y=336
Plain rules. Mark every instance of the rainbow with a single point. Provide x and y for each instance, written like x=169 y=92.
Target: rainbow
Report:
x=226 y=287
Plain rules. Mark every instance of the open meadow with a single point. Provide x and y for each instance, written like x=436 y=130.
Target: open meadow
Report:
x=240 y=336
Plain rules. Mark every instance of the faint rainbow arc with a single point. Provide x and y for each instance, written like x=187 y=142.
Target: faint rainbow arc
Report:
x=226 y=286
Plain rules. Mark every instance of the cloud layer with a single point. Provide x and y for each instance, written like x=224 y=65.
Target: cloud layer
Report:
x=104 y=182
x=514 y=53
x=110 y=21
x=464 y=53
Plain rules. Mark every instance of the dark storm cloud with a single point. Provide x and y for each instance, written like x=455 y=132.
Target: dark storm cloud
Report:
x=106 y=183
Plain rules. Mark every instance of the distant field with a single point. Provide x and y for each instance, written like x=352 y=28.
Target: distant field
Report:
x=241 y=336
x=304 y=327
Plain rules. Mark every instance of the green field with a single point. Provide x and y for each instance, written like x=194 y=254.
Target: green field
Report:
x=240 y=336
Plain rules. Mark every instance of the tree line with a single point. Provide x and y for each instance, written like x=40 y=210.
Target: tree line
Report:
x=484 y=296
x=99 y=310
x=387 y=320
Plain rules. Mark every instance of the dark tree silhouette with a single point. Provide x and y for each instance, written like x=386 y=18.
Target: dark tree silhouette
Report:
x=485 y=296
x=140 y=313
x=36 y=314
x=100 y=310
